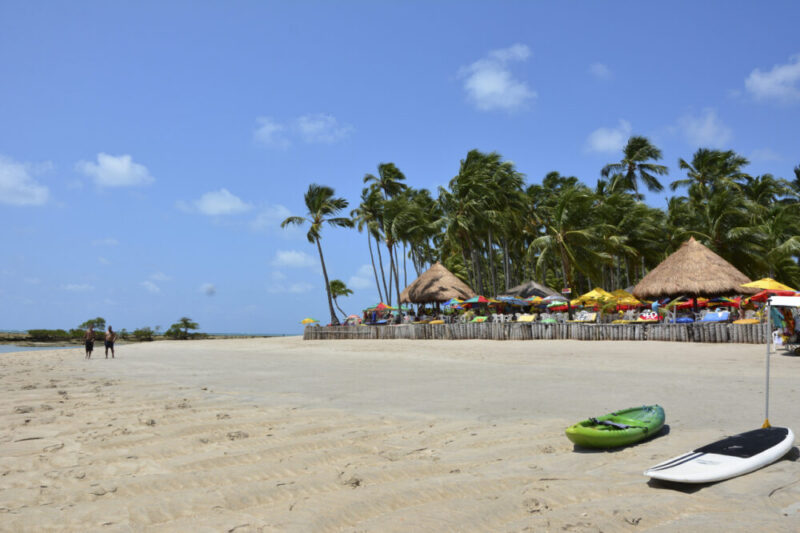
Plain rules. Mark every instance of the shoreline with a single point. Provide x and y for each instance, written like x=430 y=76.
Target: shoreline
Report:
x=282 y=434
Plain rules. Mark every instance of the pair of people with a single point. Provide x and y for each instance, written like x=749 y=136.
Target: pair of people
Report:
x=111 y=336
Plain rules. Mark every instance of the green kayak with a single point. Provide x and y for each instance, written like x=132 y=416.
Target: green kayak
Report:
x=619 y=428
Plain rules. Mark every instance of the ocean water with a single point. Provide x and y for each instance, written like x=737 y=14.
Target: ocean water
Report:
x=8 y=348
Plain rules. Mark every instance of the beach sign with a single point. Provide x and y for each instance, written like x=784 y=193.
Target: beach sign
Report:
x=566 y=290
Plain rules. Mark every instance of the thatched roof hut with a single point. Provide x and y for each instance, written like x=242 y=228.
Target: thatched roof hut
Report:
x=437 y=284
x=528 y=289
x=693 y=270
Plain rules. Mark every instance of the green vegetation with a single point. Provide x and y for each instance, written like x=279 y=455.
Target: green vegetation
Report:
x=494 y=231
x=180 y=330
x=322 y=207
x=338 y=288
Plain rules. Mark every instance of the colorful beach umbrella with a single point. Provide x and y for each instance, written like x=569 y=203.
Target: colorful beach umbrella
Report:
x=309 y=321
x=767 y=284
x=477 y=300
x=763 y=295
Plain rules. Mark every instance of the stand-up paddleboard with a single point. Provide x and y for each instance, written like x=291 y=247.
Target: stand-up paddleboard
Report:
x=727 y=458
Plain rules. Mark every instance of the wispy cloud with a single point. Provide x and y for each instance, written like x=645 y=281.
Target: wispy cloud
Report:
x=17 y=185
x=609 y=140
x=293 y=258
x=490 y=85
x=765 y=154
x=208 y=289
x=160 y=276
x=292 y=288
x=108 y=241
x=215 y=203
x=781 y=84
x=705 y=129
x=115 y=171
x=150 y=287
x=364 y=278
x=311 y=128
x=600 y=71
x=77 y=287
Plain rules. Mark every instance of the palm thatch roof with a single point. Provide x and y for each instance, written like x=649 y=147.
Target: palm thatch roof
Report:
x=528 y=289
x=693 y=270
x=437 y=284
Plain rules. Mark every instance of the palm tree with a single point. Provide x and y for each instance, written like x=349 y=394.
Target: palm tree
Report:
x=634 y=167
x=338 y=288
x=367 y=215
x=322 y=207
x=709 y=170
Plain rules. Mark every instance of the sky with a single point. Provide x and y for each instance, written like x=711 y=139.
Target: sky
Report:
x=149 y=150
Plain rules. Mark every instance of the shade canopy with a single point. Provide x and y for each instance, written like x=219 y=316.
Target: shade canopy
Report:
x=623 y=297
x=767 y=284
x=528 y=289
x=593 y=297
x=693 y=270
x=437 y=284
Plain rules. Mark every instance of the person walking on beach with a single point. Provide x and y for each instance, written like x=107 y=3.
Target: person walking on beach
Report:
x=111 y=336
x=89 y=338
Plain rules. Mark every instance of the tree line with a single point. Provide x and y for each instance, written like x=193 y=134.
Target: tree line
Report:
x=493 y=230
x=179 y=330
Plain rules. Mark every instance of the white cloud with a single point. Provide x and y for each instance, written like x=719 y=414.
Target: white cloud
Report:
x=17 y=186
x=321 y=128
x=159 y=276
x=270 y=217
x=293 y=258
x=293 y=288
x=490 y=85
x=609 y=140
x=600 y=71
x=781 y=84
x=76 y=287
x=277 y=275
x=271 y=133
x=311 y=128
x=208 y=289
x=150 y=287
x=220 y=202
x=108 y=241
x=364 y=278
x=765 y=154
x=705 y=130
x=115 y=171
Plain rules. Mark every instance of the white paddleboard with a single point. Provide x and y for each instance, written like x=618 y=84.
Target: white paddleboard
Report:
x=727 y=458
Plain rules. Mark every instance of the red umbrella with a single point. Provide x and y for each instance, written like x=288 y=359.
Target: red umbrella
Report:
x=763 y=295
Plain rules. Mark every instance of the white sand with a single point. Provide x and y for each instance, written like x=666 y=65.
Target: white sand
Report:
x=286 y=435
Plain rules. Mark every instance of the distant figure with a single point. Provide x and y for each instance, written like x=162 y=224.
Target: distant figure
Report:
x=89 y=338
x=110 y=338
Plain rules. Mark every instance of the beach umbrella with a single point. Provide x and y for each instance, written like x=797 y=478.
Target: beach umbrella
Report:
x=309 y=321
x=767 y=284
x=436 y=285
x=593 y=297
x=510 y=300
x=763 y=295
x=477 y=300
x=623 y=297
x=554 y=298
x=453 y=302
x=693 y=270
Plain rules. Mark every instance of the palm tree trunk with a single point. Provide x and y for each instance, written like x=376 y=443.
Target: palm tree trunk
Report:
x=334 y=320
x=380 y=261
x=467 y=268
x=397 y=285
x=492 y=267
x=506 y=265
x=374 y=270
x=477 y=266
x=405 y=270
x=336 y=303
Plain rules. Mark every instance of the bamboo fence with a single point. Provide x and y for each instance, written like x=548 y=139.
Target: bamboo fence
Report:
x=501 y=331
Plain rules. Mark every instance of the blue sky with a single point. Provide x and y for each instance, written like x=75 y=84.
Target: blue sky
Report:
x=149 y=150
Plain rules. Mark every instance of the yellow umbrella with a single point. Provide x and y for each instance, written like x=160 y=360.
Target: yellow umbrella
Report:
x=593 y=297
x=623 y=297
x=309 y=321
x=767 y=284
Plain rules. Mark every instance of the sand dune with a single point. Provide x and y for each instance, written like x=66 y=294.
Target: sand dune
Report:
x=282 y=435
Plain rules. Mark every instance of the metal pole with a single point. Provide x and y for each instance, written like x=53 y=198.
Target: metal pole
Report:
x=769 y=340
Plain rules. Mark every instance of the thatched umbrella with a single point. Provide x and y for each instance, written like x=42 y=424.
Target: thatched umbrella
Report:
x=528 y=289
x=436 y=285
x=694 y=271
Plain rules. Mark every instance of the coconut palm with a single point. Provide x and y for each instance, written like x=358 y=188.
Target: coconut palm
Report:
x=322 y=207
x=338 y=288
x=709 y=170
x=635 y=167
x=367 y=216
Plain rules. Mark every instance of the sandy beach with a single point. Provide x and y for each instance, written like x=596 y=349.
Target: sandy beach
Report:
x=285 y=435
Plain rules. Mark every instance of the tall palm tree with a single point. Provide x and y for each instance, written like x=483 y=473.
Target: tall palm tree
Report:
x=338 y=288
x=709 y=170
x=322 y=207
x=635 y=167
x=367 y=215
